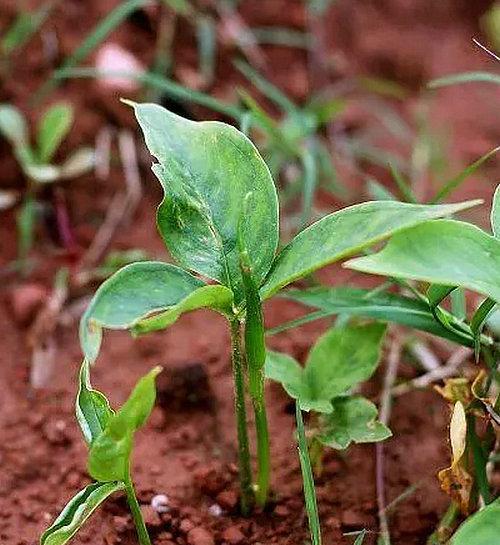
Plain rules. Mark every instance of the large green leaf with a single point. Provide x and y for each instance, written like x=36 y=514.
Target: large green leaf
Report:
x=386 y=307
x=341 y=358
x=346 y=232
x=482 y=528
x=354 y=419
x=77 y=511
x=206 y=170
x=441 y=252
x=92 y=407
x=129 y=296
x=54 y=126
x=110 y=451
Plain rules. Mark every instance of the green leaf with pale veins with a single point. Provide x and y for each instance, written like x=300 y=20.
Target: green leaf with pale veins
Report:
x=77 y=511
x=340 y=359
x=346 y=232
x=132 y=294
x=482 y=528
x=441 y=252
x=92 y=407
x=110 y=452
x=206 y=170
x=53 y=128
x=215 y=296
x=354 y=419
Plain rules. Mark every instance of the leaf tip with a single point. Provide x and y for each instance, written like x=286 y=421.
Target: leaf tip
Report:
x=128 y=102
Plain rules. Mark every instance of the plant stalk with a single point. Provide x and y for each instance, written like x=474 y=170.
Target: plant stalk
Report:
x=245 y=469
x=263 y=452
x=142 y=533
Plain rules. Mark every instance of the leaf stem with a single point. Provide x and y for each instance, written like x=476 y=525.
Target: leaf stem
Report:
x=245 y=469
x=142 y=533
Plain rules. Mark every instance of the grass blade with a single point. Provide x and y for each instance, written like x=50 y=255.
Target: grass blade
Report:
x=266 y=87
x=308 y=480
x=95 y=38
x=173 y=90
x=465 y=77
x=452 y=184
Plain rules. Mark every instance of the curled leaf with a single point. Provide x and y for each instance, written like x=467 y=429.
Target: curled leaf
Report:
x=77 y=511
x=455 y=480
x=110 y=451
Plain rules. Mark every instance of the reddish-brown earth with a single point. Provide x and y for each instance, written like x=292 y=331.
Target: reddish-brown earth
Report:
x=187 y=450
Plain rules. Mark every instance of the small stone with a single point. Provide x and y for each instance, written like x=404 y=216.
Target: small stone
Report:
x=227 y=499
x=351 y=518
x=26 y=301
x=281 y=511
x=200 y=536
x=120 y=524
x=150 y=516
x=56 y=433
x=186 y=525
x=233 y=535
x=159 y=503
x=215 y=510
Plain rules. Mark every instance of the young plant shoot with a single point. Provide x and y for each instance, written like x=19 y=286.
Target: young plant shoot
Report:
x=36 y=160
x=341 y=359
x=109 y=436
x=219 y=221
x=452 y=255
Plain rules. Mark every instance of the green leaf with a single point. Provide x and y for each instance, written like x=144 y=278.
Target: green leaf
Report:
x=436 y=293
x=77 y=511
x=25 y=220
x=13 y=126
x=495 y=213
x=53 y=128
x=479 y=320
x=482 y=528
x=206 y=170
x=216 y=297
x=442 y=252
x=354 y=419
x=110 y=452
x=341 y=358
x=78 y=163
x=307 y=480
x=92 y=407
x=386 y=307
x=129 y=296
x=346 y=232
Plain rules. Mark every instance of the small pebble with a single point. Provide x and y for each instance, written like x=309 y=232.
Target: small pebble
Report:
x=200 y=536
x=160 y=503
x=215 y=510
x=233 y=535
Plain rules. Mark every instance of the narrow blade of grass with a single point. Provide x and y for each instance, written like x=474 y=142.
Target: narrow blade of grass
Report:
x=95 y=38
x=452 y=184
x=173 y=90
x=403 y=185
x=307 y=480
x=266 y=87
x=465 y=77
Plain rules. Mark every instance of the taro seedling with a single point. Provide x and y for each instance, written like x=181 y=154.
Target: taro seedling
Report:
x=219 y=220
x=109 y=436
x=341 y=358
x=36 y=160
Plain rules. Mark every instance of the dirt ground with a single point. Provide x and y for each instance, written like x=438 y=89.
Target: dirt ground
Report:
x=187 y=450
